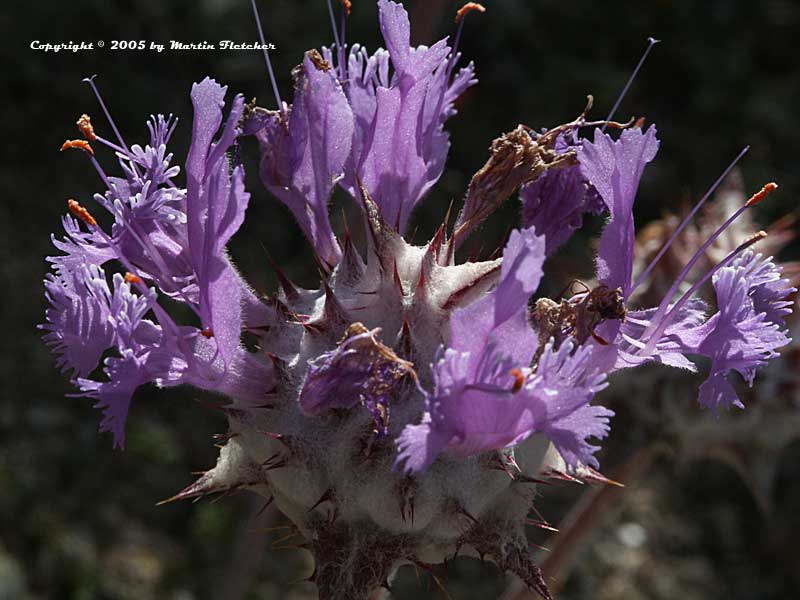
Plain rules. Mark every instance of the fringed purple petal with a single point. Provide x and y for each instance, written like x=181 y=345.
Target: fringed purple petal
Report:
x=78 y=319
x=216 y=202
x=736 y=338
x=499 y=406
x=399 y=144
x=570 y=434
x=114 y=396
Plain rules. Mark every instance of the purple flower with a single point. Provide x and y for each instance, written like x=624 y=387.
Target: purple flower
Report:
x=751 y=296
x=485 y=395
x=738 y=337
x=462 y=370
x=399 y=142
x=177 y=239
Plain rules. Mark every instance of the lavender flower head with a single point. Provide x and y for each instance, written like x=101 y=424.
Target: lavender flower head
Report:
x=406 y=409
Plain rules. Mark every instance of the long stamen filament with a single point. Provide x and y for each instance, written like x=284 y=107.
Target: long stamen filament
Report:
x=126 y=150
x=686 y=221
x=90 y=81
x=267 y=60
x=344 y=46
x=673 y=312
x=460 y=15
x=650 y=43
x=662 y=308
x=336 y=39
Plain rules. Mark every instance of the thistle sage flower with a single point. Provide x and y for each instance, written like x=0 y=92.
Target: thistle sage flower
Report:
x=407 y=408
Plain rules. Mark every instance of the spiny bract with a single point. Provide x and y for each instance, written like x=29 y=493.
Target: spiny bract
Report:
x=404 y=411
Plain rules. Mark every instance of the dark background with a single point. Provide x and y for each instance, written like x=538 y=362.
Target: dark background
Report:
x=77 y=519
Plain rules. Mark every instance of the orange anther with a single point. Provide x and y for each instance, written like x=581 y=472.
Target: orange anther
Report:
x=763 y=193
x=207 y=332
x=639 y=123
x=85 y=126
x=347 y=6
x=467 y=8
x=80 y=212
x=131 y=278
x=79 y=144
x=519 y=380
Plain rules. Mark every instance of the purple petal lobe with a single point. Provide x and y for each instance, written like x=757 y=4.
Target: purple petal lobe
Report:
x=114 y=396
x=399 y=142
x=555 y=203
x=216 y=202
x=499 y=319
x=302 y=161
x=520 y=274
x=736 y=338
x=614 y=169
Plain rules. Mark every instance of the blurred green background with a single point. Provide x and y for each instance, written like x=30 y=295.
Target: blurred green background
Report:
x=77 y=519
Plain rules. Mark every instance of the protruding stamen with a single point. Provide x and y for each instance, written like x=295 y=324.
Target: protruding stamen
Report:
x=131 y=278
x=336 y=39
x=90 y=81
x=688 y=218
x=460 y=14
x=84 y=124
x=761 y=194
x=266 y=58
x=347 y=6
x=79 y=145
x=659 y=317
x=468 y=8
x=650 y=43
x=756 y=237
x=81 y=212
x=660 y=326
x=207 y=333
